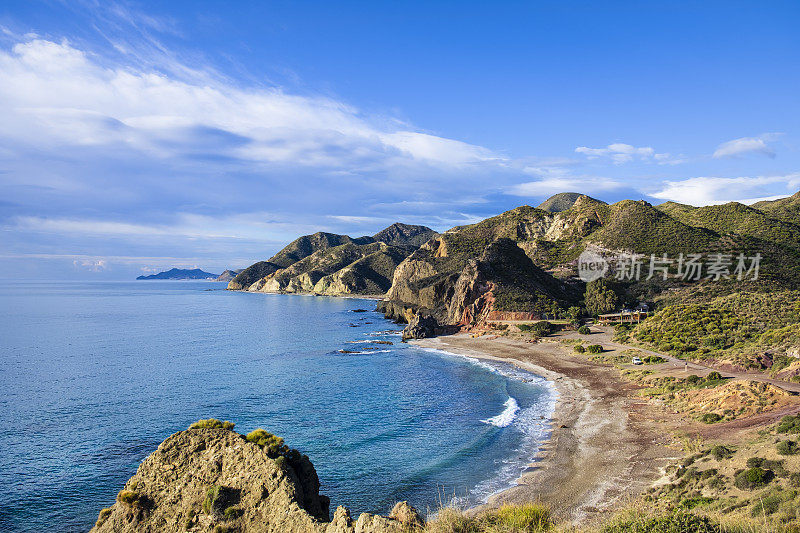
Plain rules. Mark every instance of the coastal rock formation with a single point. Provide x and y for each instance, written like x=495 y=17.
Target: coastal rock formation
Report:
x=228 y=275
x=439 y=281
x=252 y=274
x=420 y=327
x=331 y=264
x=216 y=480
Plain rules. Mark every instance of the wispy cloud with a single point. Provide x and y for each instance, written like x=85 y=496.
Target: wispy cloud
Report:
x=747 y=145
x=701 y=191
x=552 y=185
x=55 y=94
x=621 y=153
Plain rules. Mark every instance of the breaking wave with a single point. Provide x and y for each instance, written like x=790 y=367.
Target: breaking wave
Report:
x=508 y=415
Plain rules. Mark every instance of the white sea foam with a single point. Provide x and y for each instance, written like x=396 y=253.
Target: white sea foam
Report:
x=367 y=352
x=508 y=415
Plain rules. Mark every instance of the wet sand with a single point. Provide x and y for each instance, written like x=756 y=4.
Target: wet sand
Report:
x=605 y=447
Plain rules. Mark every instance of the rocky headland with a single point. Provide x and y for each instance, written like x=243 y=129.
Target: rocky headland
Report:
x=210 y=478
x=334 y=265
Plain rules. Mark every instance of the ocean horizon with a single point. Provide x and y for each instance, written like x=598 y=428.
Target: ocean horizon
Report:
x=96 y=374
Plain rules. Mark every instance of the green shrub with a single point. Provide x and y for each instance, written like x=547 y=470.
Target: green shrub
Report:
x=755 y=461
x=710 y=418
x=128 y=497
x=714 y=376
x=789 y=424
x=219 y=498
x=449 y=520
x=680 y=521
x=212 y=423
x=766 y=506
x=721 y=452
x=691 y=503
x=103 y=516
x=584 y=330
x=594 y=348
x=543 y=328
x=272 y=444
x=232 y=513
x=653 y=360
x=693 y=379
x=579 y=348
x=753 y=478
x=787 y=447
x=528 y=517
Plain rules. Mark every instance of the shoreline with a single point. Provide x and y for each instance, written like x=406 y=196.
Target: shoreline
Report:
x=374 y=297
x=602 y=448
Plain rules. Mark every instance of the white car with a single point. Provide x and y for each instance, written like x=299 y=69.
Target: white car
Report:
x=636 y=361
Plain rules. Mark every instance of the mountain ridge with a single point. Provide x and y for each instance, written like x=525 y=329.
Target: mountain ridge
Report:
x=180 y=274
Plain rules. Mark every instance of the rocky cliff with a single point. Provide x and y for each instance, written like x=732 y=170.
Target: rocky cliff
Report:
x=331 y=264
x=214 y=479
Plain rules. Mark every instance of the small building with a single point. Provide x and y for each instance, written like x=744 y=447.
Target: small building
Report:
x=624 y=316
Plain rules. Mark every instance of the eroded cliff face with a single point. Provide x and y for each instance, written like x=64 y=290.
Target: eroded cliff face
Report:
x=463 y=292
x=215 y=480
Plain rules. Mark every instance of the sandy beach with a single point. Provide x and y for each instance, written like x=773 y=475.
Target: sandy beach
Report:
x=604 y=449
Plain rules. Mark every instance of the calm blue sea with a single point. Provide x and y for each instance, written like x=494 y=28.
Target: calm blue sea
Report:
x=93 y=376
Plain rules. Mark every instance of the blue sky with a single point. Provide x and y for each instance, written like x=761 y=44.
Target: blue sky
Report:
x=139 y=136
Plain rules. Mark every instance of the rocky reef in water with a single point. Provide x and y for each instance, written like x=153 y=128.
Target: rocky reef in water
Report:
x=210 y=478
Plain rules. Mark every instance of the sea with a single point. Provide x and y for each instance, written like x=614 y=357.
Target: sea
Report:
x=94 y=375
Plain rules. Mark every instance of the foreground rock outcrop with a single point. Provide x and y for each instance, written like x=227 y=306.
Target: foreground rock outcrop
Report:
x=216 y=480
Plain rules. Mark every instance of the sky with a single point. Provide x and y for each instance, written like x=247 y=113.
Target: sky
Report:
x=137 y=137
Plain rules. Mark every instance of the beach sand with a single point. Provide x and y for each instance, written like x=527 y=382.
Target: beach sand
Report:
x=605 y=447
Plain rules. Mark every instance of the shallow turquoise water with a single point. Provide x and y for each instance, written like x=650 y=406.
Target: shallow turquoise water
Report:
x=94 y=375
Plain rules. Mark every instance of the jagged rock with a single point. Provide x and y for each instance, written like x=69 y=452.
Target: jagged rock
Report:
x=420 y=327
x=199 y=479
x=406 y=515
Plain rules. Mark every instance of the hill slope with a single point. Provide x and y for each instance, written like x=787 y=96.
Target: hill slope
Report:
x=450 y=273
x=787 y=209
x=560 y=202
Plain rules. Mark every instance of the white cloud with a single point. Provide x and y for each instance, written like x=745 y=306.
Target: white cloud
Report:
x=57 y=95
x=621 y=153
x=701 y=191
x=547 y=186
x=746 y=145
x=92 y=265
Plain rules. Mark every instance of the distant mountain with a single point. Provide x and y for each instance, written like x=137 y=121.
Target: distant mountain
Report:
x=560 y=202
x=328 y=263
x=399 y=234
x=181 y=274
x=228 y=275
